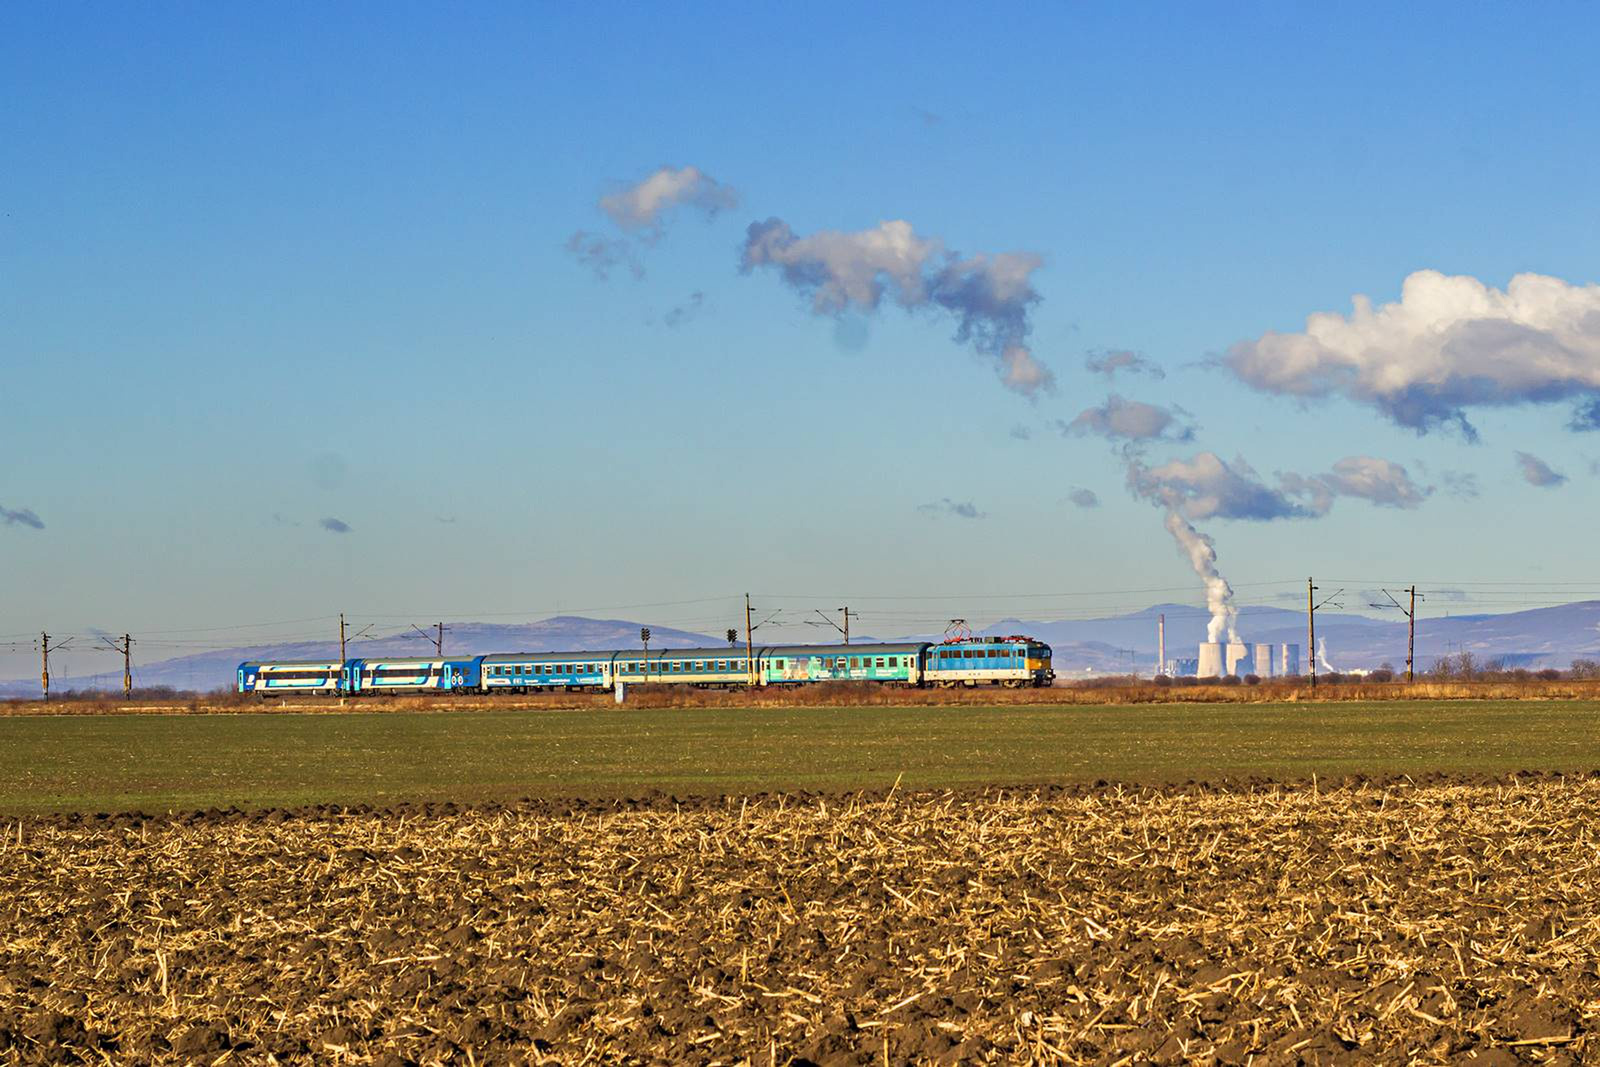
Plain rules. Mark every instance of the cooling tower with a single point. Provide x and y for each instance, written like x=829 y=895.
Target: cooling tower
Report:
x=1263 y=661
x=1288 y=660
x=1238 y=658
x=1210 y=664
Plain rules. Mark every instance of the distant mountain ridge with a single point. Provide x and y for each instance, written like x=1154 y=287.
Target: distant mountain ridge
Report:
x=1122 y=644
x=1536 y=638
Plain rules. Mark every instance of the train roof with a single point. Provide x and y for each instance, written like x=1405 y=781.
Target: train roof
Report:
x=897 y=648
x=259 y=663
x=546 y=657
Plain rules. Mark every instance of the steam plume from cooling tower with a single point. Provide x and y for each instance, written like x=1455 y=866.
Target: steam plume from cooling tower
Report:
x=1322 y=656
x=1203 y=558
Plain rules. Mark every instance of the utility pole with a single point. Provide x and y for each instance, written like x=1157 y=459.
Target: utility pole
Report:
x=341 y=637
x=1312 y=607
x=124 y=646
x=845 y=629
x=1411 y=626
x=1411 y=633
x=45 y=648
x=749 y=644
x=437 y=637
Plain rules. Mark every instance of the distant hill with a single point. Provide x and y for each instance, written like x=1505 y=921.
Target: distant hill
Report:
x=1122 y=644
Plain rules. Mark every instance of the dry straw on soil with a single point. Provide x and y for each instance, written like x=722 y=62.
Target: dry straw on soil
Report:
x=1397 y=921
x=844 y=694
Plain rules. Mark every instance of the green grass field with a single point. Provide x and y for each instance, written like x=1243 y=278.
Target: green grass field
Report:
x=157 y=763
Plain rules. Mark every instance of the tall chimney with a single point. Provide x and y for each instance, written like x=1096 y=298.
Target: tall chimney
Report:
x=1161 y=643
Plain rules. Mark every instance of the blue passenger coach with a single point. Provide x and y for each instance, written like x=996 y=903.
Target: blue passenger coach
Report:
x=521 y=672
x=411 y=675
x=704 y=668
x=290 y=676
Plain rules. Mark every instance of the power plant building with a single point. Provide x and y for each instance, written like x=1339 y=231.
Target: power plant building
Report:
x=1237 y=659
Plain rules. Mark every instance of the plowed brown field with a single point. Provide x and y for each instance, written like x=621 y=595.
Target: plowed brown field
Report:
x=1433 y=922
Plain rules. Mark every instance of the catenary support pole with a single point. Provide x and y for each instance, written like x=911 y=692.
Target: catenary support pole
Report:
x=749 y=645
x=1311 y=629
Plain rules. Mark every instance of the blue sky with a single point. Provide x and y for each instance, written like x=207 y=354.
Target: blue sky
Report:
x=262 y=267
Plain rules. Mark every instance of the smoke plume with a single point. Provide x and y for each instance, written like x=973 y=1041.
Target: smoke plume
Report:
x=1203 y=558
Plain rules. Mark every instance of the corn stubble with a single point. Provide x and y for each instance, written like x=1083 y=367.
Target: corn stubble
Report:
x=1407 y=921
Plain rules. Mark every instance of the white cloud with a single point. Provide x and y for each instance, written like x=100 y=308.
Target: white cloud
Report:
x=1449 y=343
x=641 y=206
x=1206 y=487
x=1109 y=363
x=989 y=295
x=1131 y=420
x=1377 y=481
x=641 y=210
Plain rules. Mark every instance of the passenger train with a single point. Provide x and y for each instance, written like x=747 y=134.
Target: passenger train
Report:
x=1009 y=661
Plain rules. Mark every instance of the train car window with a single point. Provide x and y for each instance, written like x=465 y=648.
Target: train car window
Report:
x=880 y=661
x=894 y=661
x=779 y=664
